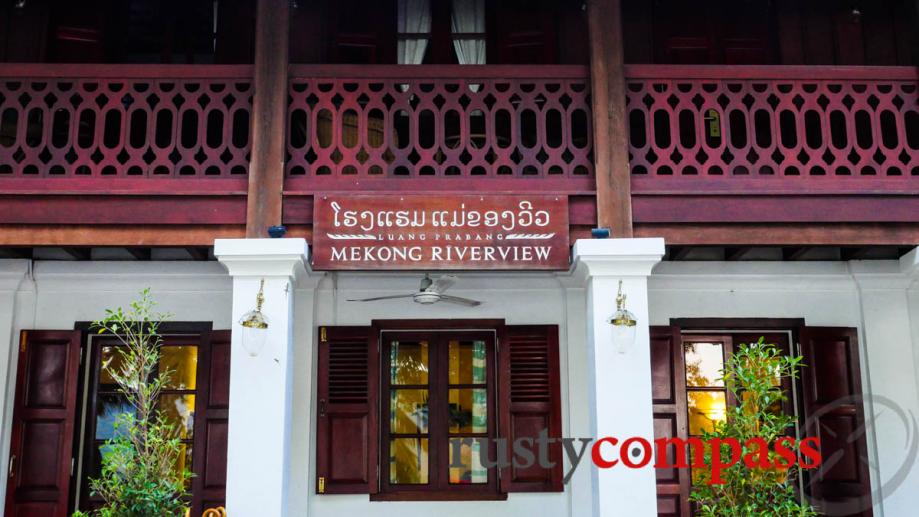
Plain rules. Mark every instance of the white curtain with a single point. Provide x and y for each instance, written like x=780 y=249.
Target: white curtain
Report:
x=469 y=17
x=414 y=18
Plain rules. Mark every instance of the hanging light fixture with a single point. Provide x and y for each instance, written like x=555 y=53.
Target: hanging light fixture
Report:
x=255 y=325
x=624 y=324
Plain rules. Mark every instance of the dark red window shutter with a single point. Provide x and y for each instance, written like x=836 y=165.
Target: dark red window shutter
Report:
x=43 y=423
x=830 y=379
x=529 y=400
x=211 y=419
x=668 y=394
x=347 y=431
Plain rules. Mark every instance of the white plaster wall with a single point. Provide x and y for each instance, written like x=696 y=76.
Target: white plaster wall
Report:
x=874 y=297
x=881 y=304
x=537 y=298
x=57 y=294
x=54 y=295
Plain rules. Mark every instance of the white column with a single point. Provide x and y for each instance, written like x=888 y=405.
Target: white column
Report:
x=258 y=451
x=620 y=383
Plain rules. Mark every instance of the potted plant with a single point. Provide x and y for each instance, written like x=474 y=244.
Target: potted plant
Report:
x=754 y=375
x=139 y=477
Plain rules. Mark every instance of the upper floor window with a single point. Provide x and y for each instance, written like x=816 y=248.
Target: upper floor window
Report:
x=465 y=32
x=792 y=32
x=417 y=40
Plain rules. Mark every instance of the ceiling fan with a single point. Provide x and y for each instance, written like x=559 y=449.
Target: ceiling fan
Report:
x=431 y=291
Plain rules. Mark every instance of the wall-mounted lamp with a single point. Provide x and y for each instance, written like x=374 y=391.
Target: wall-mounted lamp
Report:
x=623 y=323
x=255 y=325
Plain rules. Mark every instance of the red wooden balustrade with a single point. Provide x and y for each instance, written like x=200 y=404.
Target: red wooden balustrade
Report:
x=100 y=127
x=787 y=121
x=773 y=144
x=439 y=127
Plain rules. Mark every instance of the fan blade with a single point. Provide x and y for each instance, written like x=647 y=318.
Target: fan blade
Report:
x=443 y=283
x=461 y=301
x=391 y=297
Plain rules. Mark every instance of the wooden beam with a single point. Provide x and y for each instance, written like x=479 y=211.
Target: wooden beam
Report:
x=78 y=253
x=783 y=234
x=733 y=254
x=269 y=116
x=140 y=253
x=611 y=139
x=21 y=235
x=16 y=253
x=792 y=254
x=679 y=252
x=197 y=252
x=854 y=253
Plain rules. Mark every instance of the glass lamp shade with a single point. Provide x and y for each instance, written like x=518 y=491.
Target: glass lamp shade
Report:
x=255 y=331
x=623 y=323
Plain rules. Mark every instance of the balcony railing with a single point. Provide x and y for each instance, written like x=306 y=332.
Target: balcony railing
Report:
x=92 y=123
x=708 y=144
x=782 y=143
x=773 y=121
x=437 y=127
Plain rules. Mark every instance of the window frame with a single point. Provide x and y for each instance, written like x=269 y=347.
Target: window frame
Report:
x=173 y=334
x=727 y=339
x=438 y=486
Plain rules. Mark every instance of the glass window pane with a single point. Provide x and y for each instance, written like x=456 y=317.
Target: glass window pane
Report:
x=408 y=363
x=408 y=410
x=112 y=362
x=467 y=362
x=182 y=362
x=408 y=461
x=468 y=411
x=705 y=408
x=180 y=411
x=704 y=362
x=467 y=469
x=775 y=408
x=108 y=409
x=184 y=462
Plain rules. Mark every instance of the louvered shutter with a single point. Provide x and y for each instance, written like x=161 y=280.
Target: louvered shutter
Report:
x=347 y=432
x=530 y=401
x=831 y=384
x=668 y=395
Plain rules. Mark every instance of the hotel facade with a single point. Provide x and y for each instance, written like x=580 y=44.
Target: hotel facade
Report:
x=465 y=188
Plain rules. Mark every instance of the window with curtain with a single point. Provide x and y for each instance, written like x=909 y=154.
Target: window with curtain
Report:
x=413 y=20
x=467 y=27
x=425 y=32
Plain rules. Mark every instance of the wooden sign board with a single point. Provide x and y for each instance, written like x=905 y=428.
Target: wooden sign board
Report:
x=427 y=232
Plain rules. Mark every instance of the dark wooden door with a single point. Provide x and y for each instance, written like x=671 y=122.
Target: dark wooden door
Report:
x=832 y=386
x=668 y=395
x=43 y=424
x=211 y=422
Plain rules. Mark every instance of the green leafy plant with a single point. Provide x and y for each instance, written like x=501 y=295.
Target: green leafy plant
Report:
x=139 y=477
x=764 y=484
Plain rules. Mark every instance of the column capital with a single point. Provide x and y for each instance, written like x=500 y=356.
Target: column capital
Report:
x=615 y=257
x=264 y=257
